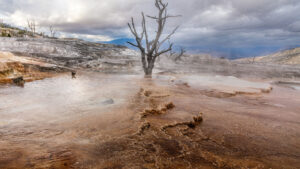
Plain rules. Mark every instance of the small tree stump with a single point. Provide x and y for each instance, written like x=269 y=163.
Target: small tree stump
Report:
x=19 y=81
x=73 y=73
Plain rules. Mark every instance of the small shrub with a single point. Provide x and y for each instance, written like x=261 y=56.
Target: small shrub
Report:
x=21 y=32
x=147 y=93
x=169 y=106
x=3 y=34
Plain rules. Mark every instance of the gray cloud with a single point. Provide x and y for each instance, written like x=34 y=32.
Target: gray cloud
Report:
x=219 y=25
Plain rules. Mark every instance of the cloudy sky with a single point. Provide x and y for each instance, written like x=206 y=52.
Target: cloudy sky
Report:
x=232 y=28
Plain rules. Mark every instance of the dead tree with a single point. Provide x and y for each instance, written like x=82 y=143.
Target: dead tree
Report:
x=179 y=56
x=31 y=26
x=176 y=56
x=52 y=31
x=253 y=59
x=152 y=48
x=1 y=23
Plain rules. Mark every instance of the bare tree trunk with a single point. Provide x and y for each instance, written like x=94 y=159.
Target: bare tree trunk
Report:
x=52 y=31
x=149 y=69
x=31 y=26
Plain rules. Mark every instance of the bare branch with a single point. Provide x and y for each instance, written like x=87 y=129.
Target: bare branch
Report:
x=131 y=29
x=133 y=44
x=137 y=38
x=171 y=51
x=169 y=36
x=146 y=33
x=166 y=50
x=166 y=17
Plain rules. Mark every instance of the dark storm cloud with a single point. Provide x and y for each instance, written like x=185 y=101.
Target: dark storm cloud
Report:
x=206 y=25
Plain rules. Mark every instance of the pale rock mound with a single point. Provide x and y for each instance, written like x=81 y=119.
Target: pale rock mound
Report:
x=288 y=57
x=226 y=84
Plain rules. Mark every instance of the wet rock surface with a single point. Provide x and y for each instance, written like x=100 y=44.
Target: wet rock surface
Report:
x=108 y=101
x=68 y=126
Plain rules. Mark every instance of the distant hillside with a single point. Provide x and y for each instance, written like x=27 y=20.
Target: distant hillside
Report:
x=289 y=57
x=122 y=42
x=74 y=53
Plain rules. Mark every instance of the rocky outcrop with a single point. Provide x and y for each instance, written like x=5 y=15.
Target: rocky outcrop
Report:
x=73 y=53
x=17 y=69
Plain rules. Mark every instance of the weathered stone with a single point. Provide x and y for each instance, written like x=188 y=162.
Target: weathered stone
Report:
x=109 y=101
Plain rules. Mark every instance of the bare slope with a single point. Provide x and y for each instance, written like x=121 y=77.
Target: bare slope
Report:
x=73 y=53
x=289 y=57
